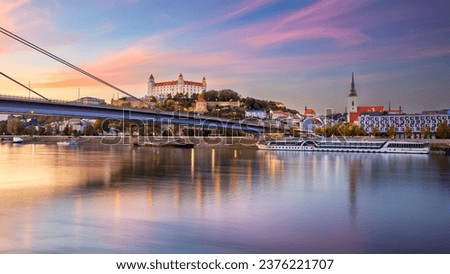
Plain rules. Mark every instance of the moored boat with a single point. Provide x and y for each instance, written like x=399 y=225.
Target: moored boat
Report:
x=17 y=140
x=336 y=145
x=67 y=143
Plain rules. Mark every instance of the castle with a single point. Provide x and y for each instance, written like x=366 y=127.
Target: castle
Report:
x=161 y=90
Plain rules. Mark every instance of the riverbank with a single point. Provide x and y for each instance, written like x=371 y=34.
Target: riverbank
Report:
x=436 y=145
x=209 y=141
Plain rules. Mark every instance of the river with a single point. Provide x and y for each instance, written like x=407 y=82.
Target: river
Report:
x=120 y=199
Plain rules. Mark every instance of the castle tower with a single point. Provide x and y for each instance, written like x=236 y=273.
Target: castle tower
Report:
x=151 y=84
x=180 y=84
x=204 y=83
x=352 y=100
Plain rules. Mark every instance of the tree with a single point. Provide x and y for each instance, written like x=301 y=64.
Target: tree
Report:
x=442 y=130
x=30 y=130
x=228 y=95
x=3 y=127
x=210 y=95
x=88 y=130
x=408 y=132
x=425 y=131
x=48 y=130
x=15 y=126
x=391 y=131
x=67 y=130
x=375 y=131
x=41 y=130
x=170 y=105
x=318 y=131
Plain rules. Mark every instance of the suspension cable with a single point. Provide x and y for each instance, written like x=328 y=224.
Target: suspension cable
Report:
x=22 y=85
x=43 y=51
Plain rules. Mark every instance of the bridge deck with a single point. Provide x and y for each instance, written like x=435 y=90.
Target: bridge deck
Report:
x=20 y=105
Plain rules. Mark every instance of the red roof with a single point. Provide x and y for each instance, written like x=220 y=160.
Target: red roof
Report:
x=191 y=83
x=168 y=83
x=310 y=111
x=362 y=109
x=201 y=100
x=175 y=82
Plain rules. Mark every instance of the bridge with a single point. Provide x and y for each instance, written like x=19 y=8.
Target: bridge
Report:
x=41 y=107
x=47 y=107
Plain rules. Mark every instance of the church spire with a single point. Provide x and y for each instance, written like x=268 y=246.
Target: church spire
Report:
x=352 y=89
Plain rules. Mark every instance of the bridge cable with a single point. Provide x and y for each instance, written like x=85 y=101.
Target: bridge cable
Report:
x=43 y=51
x=20 y=84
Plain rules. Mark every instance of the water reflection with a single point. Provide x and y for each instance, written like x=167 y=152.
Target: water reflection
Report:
x=161 y=200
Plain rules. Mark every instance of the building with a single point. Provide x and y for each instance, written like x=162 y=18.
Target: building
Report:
x=280 y=104
x=354 y=110
x=202 y=106
x=256 y=113
x=415 y=122
x=161 y=90
x=91 y=101
x=128 y=102
x=309 y=112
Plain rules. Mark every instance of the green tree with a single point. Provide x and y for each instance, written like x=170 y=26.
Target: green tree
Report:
x=442 y=130
x=408 y=132
x=210 y=95
x=228 y=95
x=391 y=131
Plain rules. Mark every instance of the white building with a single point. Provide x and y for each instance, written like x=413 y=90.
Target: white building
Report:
x=162 y=89
x=414 y=121
x=91 y=101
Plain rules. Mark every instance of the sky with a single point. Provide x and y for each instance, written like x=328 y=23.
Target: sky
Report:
x=298 y=52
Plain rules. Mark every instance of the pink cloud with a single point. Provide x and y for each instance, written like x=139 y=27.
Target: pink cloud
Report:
x=317 y=21
x=239 y=10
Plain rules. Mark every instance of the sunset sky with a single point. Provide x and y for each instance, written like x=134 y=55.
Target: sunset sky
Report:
x=298 y=52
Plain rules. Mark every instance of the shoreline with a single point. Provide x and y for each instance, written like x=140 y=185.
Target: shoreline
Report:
x=437 y=146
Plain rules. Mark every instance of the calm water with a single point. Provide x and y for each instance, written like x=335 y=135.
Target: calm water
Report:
x=116 y=199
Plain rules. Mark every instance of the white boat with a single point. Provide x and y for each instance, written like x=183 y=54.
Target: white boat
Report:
x=335 y=145
x=17 y=140
x=67 y=143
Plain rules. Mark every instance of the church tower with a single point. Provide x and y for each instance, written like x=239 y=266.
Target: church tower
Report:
x=352 y=100
x=151 y=84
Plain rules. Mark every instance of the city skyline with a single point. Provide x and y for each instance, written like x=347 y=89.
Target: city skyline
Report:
x=299 y=52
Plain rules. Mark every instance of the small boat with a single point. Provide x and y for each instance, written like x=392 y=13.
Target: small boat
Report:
x=17 y=140
x=67 y=143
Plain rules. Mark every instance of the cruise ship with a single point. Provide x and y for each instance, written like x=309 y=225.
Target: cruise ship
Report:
x=336 y=145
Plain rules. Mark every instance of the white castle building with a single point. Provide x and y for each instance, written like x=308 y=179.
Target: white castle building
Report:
x=162 y=89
